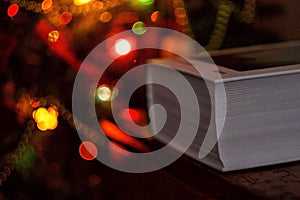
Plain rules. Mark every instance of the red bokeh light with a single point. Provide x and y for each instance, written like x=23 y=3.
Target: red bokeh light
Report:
x=12 y=10
x=88 y=150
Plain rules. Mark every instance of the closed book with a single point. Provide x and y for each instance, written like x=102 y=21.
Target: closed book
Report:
x=249 y=108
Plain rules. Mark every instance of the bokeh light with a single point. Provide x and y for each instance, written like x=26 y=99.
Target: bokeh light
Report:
x=180 y=12
x=97 y=5
x=65 y=18
x=112 y=131
x=154 y=16
x=105 y=17
x=34 y=103
x=122 y=47
x=103 y=93
x=94 y=179
x=46 y=119
x=12 y=10
x=137 y=115
x=81 y=2
x=88 y=150
x=139 y=28
x=53 y=36
x=146 y=2
x=46 y=4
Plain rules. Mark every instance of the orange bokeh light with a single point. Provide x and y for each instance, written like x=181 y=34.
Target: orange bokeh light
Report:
x=65 y=18
x=154 y=16
x=46 y=4
x=12 y=10
x=88 y=150
x=34 y=103
x=105 y=17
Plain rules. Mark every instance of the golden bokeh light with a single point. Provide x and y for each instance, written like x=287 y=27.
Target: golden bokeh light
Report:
x=81 y=2
x=53 y=36
x=105 y=17
x=46 y=119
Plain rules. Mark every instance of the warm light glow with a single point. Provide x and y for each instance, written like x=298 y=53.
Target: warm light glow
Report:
x=46 y=119
x=23 y=107
x=34 y=103
x=105 y=17
x=112 y=131
x=65 y=18
x=46 y=4
x=154 y=16
x=122 y=47
x=12 y=10
x=97 y=5
x=81 y=2
x=180 y=12
x=139 y=28
x=94 y=179
x=137 y=115
x=53 y=36
x=88 y=150
x=104 y=93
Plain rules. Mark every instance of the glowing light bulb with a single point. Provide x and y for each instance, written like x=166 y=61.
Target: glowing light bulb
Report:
x=122 y=47
x=139 y=28
x=53 y=36
x=88 y=150
x=104 y=93
x=46 y=119
x=12 y=10
x=81 y=2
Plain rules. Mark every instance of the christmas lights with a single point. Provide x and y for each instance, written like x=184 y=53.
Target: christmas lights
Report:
x=59 y=13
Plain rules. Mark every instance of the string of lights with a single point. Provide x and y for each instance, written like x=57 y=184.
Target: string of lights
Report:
x=44 y=117
x=45 y=111
x=45 y=120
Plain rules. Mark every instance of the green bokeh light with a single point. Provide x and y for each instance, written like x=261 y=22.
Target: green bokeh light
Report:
x=146 y=2
x=139 y=28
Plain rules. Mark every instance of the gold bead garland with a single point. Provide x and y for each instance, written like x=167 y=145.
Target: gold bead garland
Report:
x=247 y=13
x=224 y=13
x=14 y=158
x=225 y=9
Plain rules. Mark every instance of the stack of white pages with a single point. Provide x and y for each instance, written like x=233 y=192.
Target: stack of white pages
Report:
x=249 y=110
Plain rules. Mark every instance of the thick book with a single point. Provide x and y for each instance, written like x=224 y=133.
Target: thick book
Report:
x=249 y=113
